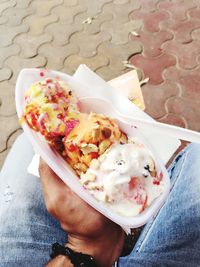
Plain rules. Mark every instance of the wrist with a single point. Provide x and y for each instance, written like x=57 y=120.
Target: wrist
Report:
x=105 y=248
x=77 y=258
x=60 y=261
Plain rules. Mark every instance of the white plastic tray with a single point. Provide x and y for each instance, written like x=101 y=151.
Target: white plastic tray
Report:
x=62 y=169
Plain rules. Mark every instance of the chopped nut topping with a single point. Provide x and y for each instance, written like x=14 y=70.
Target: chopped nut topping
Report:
x=80 y=166
x=104 y=145
x=106 y=132
x=95 y=186
x=88 y=148
x=123 y=139
x=87 y=177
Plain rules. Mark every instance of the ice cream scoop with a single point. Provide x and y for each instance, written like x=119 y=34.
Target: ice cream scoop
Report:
x=51 y=108
x=124 y=178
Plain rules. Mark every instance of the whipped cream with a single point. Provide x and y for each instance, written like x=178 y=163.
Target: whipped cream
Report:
x=124 y=178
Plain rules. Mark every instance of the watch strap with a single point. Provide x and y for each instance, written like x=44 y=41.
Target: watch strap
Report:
x=78 y=259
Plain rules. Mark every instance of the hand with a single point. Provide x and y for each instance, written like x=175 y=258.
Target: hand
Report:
x=88 y=231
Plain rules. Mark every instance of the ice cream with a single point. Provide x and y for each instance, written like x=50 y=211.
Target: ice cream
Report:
x=117 y=170
x=91 y=137
x=51 y=108
x=124 y=178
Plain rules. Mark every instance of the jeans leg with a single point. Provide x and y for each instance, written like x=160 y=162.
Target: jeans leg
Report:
x=173 y=237
x=27 y=230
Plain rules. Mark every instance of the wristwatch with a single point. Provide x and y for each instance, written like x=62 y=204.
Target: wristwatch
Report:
x=78 y=259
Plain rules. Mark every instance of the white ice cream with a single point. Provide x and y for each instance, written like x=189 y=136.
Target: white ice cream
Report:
x=124 y=179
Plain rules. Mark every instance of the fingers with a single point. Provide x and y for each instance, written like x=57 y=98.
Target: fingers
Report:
x=75 y=215
x=52 y=186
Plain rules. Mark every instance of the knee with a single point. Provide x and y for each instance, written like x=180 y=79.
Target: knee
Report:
x=193 y=150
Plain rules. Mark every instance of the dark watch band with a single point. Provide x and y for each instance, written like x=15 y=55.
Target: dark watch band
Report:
x=78 y=259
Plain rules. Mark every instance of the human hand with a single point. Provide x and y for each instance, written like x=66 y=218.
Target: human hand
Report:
x=88 y=231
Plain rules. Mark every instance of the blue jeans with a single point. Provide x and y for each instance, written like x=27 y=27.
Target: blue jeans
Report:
x=27 y=230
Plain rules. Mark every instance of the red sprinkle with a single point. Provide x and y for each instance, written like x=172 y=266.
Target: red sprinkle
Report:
x=94 y=155
x=156 y=182
x=73 y=148
x=42 y=73
x=49 y=81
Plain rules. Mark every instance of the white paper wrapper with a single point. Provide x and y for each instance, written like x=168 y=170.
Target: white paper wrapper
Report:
x=96 y=89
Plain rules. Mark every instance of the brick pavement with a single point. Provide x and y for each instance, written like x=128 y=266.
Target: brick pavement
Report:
x=61 y=34
x=170 y=37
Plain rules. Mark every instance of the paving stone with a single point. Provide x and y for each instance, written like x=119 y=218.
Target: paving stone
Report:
x=7 y=95
x=3 y=20
x=174 y=119
x=56 y=55
x=156 y=96
x=44 y=8
x=5 y=74
x=7 y=52
x=73 y=61
x=3 y=156
x=197 y=3
x=187 y=54
x=149 y=6
x=120 y=2
x=5 y=5
x=174 y=73
x=196 y=34
x=89 y=43
x=153 y=66
x=190 y=85
x=152 y=41
x=13 y=137
x=30 y=43
x=16 y=15
x=188 y=80
x=108 y=73
x=10 y=142
x=121 y=12
x=23 y=4
x=37 y=24
x=7 y=126
x=152 y=20
x=8 y=33
x=120 y=32
x=94 y=27
x=66 y=15
x=70 y=3
x=119 y=53
x=177 y=9
x=94 y=7
x=194 y=13
x=181 y=29
x=62 y=34
x=16 y=64
x=188 y=109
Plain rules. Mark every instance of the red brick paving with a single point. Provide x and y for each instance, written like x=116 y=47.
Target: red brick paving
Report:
x=149 y=6
x=181 y=30
x=187 y=54
x=170 y=37
x=154 y=66
x=155 y=98
x=154 y=40
x=150 y=20
x=178 y=9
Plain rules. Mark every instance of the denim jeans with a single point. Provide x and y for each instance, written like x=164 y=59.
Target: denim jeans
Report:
x=27 y=230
